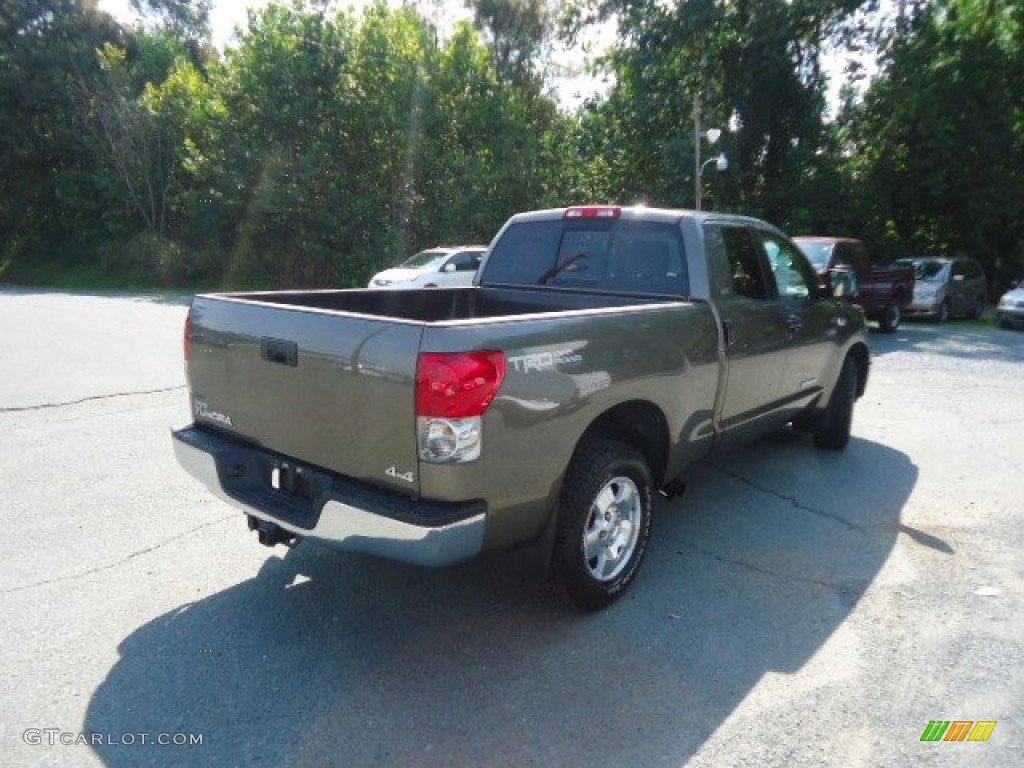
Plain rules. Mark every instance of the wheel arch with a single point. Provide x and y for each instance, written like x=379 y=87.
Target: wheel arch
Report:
x=637 y=423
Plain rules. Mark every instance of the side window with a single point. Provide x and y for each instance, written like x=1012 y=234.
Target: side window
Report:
x=793 y=275
x=843 y=255
x=466 y=261
x=524 y=252
x=736 y=265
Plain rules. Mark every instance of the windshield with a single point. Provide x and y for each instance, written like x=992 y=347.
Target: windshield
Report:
x=930 y=270
x=817 y=254
x=425 y=259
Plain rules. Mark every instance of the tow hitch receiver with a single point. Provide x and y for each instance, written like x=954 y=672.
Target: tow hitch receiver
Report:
x=270 y=534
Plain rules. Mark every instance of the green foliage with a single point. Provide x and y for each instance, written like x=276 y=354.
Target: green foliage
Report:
x=519 y=31
x=325 y=145
x=47 y=189
x=753 y=68
x=937 y=147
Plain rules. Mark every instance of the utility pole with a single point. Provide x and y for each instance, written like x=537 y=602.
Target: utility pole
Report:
x=696 y=149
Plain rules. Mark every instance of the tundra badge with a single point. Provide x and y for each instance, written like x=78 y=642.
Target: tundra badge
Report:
x=204 y=411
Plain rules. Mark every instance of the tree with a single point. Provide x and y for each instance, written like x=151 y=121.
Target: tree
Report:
x=937 y=147
x=47 y=187
x=519 y=31
x=753 y=68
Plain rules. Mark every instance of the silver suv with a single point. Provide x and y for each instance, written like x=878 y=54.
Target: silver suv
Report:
x=947 y=287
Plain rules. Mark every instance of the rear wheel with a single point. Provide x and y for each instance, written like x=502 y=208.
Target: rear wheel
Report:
x=891 y=316
x=604 y=523
x=834 y=430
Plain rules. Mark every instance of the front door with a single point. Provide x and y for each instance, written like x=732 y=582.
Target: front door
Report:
x=809 y=323
x=756 y=339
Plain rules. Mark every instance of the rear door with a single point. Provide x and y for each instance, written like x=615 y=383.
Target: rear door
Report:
x=332 y=389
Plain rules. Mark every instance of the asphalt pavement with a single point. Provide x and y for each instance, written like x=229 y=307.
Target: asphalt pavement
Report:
x=797 y=607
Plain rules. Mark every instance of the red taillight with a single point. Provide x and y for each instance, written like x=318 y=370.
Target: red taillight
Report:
x=593 y=212
x=457 y=385
x=188 y=335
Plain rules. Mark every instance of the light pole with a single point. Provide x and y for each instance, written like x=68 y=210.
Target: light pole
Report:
x=711 y=134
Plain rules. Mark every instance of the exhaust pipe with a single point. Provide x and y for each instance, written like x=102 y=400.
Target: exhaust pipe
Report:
x=270 y=534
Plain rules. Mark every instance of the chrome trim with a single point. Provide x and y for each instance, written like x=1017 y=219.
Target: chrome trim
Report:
x=351 y=529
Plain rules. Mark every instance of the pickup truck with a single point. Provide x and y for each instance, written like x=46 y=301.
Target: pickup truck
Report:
x=602 y=351
x=882 y=291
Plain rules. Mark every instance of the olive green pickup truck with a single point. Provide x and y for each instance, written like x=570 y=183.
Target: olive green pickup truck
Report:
x=601 y=351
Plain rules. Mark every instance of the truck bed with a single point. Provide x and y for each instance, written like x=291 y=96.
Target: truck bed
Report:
x=328 y=377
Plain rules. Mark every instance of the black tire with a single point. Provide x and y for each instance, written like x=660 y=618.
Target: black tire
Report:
x=942 y=314
x=891 y=317
x=834 y=432
x=603 y=524
x=979 y=308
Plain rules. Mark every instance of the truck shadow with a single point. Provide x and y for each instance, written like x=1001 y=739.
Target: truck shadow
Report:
x=331 y=659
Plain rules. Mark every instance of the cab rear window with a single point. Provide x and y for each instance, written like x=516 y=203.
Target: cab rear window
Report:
x=617 y=256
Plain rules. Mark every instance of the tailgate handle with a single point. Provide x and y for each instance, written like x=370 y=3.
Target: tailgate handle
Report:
x=279 y=351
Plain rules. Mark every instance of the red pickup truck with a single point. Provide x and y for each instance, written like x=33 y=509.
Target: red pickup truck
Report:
x=882 y=291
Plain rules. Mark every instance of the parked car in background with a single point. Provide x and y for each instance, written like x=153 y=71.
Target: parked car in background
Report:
x=882 y=291
x=447 y=267
x=1010 y=310
x=947 y=287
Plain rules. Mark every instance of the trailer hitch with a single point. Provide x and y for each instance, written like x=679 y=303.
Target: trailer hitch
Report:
x=271 y=534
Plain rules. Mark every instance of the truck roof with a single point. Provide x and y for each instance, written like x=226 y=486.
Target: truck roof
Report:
x=638 y=212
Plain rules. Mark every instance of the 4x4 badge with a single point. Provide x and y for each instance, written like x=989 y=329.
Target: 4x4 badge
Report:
x=409 y=477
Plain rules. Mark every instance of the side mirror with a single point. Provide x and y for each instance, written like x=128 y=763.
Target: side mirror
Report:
x=843 y=283
x=448 y=268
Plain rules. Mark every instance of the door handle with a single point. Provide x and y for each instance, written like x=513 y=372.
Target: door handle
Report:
x=279 y=352
x=729 y=332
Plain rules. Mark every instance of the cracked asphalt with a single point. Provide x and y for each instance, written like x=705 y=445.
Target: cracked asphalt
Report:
x=797 y=607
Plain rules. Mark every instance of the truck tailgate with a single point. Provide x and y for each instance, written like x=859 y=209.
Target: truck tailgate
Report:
x=330 y=389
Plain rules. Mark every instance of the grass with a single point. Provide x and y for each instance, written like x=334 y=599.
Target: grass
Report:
x=92 y=278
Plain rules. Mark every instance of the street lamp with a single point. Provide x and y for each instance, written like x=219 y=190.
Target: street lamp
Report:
x=721 y=163
x=711 y=135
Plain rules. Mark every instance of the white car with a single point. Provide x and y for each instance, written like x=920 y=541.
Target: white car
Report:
x=1010 y=311
x=443 y=267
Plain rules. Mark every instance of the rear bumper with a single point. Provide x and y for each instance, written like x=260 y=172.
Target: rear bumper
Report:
x=329 y=508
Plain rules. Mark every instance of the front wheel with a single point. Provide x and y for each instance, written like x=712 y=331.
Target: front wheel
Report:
x=944 y=311
x=834 y=430
x=604 y=523
x=891 y=316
